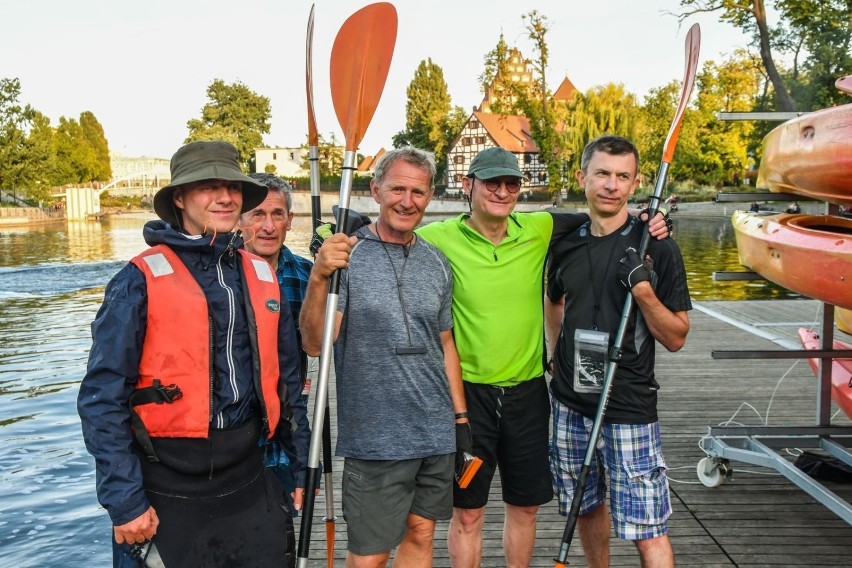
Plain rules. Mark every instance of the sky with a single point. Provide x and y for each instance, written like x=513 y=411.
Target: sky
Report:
x=143 y=67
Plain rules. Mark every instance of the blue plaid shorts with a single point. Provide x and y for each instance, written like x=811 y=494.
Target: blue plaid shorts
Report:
x=631 y=455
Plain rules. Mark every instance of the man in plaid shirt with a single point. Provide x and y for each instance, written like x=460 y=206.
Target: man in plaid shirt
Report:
x=264 y=230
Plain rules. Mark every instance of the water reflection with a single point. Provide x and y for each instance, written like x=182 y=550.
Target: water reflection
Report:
x=709 y=245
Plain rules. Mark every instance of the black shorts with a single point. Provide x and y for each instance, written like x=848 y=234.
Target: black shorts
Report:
x=510 y=432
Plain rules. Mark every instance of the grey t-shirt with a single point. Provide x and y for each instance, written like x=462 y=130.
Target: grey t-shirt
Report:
x=393 y=406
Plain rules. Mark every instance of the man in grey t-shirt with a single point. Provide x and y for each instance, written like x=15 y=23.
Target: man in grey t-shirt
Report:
x=398 y=375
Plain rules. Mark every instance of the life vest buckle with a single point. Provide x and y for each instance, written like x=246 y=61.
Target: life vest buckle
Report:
x=169 y=393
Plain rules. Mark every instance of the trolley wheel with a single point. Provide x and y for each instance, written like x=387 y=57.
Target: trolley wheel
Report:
x=718 y=472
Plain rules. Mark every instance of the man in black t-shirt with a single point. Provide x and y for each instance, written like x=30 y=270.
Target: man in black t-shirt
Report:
x=590 y=272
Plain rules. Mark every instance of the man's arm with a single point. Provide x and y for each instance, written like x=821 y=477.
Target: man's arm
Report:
x=452 y=366
x=667 y=327
x=553 y=312
x=332 y=255
x=118 y=333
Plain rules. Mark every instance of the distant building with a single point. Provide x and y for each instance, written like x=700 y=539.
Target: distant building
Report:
x=288 y=161
x=486 y=129
x=137 y=176
x=367 y=167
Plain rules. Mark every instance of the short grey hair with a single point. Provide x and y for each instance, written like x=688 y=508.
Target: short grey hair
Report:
x=276 y=184
x=409 y=154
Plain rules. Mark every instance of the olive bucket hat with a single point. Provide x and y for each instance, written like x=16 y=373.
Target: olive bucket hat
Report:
x=198 y=161
x=493 y=163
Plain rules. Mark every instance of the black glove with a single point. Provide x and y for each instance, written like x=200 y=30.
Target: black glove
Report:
x=464 y=438
x=631 y=269
x=466 y=463
x=354 y=221
x=645 y=217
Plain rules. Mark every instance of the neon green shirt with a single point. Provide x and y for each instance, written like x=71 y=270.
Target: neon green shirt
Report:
x=497 y=296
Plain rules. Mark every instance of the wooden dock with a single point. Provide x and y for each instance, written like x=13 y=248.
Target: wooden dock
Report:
x=758 y=517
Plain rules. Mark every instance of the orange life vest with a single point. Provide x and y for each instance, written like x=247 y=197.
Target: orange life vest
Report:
x=176 y=349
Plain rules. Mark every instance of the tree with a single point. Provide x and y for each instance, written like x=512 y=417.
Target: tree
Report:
x=234 y=114
x=93 y=133
x=749 y=16
x=534 y=104
x=76 y=160
x=40 y=158
x=15 y=122
x=429 y=113
x=330 y=155
x=606 y=109
x=823 y=28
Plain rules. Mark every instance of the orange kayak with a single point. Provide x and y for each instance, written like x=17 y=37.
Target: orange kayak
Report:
x=841 y=369
x=811 y=155
x=843 y=319
x=808 y=254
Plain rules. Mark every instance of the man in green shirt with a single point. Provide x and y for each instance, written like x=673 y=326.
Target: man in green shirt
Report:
x=498 y=260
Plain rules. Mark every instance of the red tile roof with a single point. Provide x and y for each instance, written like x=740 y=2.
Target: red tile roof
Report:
x=511 y=133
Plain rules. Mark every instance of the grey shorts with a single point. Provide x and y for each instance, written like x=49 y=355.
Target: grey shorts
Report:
x=379 y=495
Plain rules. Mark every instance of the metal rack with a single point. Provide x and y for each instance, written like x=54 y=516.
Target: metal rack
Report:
x=757 y=445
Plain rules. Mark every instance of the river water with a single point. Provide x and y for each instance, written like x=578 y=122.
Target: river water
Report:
x=51 y=284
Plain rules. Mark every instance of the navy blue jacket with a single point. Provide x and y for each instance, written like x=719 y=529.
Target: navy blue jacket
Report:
x=118 y=333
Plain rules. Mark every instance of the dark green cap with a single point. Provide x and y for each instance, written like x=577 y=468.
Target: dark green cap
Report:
x=494 y=162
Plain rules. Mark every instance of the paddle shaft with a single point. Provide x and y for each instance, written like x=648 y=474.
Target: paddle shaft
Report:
x=321 y=395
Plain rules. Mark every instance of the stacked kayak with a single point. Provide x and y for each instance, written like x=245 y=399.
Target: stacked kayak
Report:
x=811 y=155
x=841 y=370
x=808 y=254
x=843 y=319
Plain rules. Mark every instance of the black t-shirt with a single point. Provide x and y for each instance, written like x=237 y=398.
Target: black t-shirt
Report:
x=584 y=269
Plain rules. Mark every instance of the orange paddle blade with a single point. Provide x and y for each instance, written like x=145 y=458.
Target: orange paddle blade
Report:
x=313 y=136
x=329 y=540
x=360 y=60
x=844 y=84
x=693 y=43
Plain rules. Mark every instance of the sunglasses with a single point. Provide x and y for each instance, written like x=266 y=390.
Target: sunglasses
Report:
x=492 y=185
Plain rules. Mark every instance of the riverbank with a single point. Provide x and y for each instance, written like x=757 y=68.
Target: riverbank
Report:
x=22 y=216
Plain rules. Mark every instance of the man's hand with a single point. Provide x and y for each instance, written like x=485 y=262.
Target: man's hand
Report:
x=464 y=438
x=333 y=255
x=354 y=221
x=631 y=269
x=140 y=529
x=660 y=226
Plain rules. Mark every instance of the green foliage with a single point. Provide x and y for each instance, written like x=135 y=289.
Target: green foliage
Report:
x=34 y=157
x=330 y=155
x=430 y=119
x=93 y=134
x=15 y=123
x=235 y=114
x=607 y=109
x=823 y=28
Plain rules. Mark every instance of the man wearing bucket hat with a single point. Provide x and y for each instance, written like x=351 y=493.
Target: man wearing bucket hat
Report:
x=193 y=361
x=498 y=259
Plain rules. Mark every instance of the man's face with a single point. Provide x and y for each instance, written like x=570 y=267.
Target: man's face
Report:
x=402 y=196
x=493 y=198
x=608 y=182
x=268 y=224
x=211 y=204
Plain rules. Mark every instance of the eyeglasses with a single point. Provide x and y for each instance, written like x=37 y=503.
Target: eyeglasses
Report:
x=512 y=185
